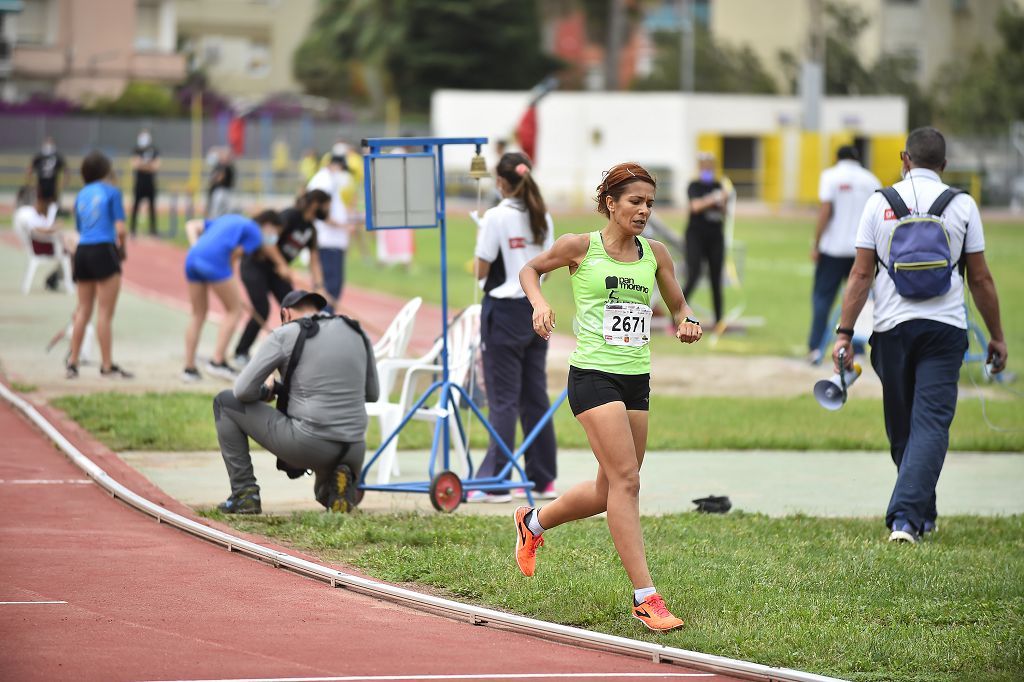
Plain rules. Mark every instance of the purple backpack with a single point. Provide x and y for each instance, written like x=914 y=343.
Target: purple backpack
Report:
x=920 y=260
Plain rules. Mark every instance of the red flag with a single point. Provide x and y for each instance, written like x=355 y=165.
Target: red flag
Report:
x=236 y=135
x=526 y=133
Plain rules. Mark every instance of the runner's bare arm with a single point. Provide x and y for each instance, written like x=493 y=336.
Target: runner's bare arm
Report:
x=687 y=332
x=193 y=229
x=567 y=251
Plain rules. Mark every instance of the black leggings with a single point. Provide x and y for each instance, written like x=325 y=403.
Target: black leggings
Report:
x=704 y=244
x=149 y=194
x=260 y=280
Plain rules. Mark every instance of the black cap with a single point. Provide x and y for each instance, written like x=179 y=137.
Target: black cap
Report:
x=300 y=296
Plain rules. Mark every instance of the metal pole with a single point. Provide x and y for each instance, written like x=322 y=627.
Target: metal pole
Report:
x=687 y=41
x=442 y=423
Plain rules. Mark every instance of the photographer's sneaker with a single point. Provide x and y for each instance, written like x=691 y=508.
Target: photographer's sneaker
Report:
x=222 y=370
x=653 y=613
x=245 y=501
x=191 y=375
x=902 y=531
x=242 y=359
x=341 y=491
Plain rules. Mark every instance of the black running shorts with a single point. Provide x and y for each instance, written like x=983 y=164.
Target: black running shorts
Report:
x=589 y=388
x=96 y=262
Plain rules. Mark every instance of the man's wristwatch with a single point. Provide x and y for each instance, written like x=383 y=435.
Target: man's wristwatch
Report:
x=845 y=331
x=691 y=320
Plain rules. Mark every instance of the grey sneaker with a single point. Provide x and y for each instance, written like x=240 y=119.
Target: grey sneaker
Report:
x=241 y=360
x=191 y=375
x=222 y=370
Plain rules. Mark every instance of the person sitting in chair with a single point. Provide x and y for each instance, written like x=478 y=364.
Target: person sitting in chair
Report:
x=320 y=420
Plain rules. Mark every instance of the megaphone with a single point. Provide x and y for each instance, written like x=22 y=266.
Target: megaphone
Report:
x=831 y=393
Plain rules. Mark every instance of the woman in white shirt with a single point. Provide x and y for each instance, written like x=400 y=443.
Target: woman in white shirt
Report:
x=515 y=359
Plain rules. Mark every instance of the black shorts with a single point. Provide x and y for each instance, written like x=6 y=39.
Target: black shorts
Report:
x=589 y=388
x=95 y=262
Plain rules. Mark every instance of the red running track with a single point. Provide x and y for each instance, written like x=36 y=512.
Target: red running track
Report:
x=147 y=602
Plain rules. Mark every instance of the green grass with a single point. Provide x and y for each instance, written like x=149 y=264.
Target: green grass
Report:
x=828 y=596
x=184 y=421
x=22 y=387
x=777 y=286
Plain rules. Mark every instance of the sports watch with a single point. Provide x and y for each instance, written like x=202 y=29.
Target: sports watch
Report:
x=845 y=331
x=691 y=320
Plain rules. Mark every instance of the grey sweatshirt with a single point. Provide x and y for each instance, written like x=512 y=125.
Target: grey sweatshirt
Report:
x=333 y=381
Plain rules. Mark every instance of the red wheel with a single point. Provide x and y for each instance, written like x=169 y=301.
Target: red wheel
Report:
x=446 y=492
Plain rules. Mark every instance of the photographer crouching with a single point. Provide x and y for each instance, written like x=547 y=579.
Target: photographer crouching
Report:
x=327 y=374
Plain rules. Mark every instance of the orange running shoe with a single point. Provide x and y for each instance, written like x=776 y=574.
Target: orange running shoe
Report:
x=526 y=543
x=652 y=613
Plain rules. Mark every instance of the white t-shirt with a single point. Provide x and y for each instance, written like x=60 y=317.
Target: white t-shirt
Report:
x=847 y=186
x=27 y=220
x=505 y=230
x=962 y=221
x=328 y=236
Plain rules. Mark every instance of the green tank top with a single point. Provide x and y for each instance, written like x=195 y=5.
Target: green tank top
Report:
x=600 y=280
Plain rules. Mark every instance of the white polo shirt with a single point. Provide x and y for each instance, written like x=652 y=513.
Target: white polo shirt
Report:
x=847 y=186
x=505 y=231
x=963 y=222
x=328 y=236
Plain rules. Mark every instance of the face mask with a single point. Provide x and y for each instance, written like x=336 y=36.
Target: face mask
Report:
x=707 y=175
x=322 y=213
x=144 y=140
x=269 y=238
x=49 y=149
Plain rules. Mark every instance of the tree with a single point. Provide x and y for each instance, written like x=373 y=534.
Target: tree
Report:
x=846 y=74
x=983 y=94
x=139 y=99
x=375 y=49
x=718 y=67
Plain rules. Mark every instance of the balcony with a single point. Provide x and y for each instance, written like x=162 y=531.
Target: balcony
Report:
x=51 y=63
x=38 y=61
x=157 y=66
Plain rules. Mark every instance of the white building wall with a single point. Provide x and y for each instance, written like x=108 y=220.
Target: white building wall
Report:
x=581 y=134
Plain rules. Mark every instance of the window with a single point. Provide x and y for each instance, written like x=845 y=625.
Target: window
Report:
x=147 y=25
x=258 y=64
x=33 y=23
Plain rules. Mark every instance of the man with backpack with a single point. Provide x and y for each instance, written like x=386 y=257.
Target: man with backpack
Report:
x=327 y=374
x=915 y=241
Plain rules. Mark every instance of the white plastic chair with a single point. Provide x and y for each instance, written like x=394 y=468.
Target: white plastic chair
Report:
x=43 y=250
x=393 y=345
x=463 y=340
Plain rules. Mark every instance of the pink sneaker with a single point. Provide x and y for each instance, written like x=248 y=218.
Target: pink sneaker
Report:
x=547 y=493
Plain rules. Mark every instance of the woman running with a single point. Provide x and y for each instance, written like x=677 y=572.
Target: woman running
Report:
x=99 y=216
x=213 y=263
x=515 y=360
x=613 y=272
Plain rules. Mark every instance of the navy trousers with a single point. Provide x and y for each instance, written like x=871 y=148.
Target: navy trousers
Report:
x=829 y=274
x=918 y=362
x=515 y=370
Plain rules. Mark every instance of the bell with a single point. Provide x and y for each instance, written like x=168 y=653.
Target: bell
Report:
x=478 y=167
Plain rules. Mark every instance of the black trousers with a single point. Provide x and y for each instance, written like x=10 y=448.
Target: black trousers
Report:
x=918 y=362
x=144 y=191
x=260 y=280
x=705 y=245
x=515 y=370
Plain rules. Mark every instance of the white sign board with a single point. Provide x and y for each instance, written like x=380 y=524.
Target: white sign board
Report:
x=404 y=191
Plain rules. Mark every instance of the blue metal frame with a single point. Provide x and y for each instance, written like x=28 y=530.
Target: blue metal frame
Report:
x=449 y=391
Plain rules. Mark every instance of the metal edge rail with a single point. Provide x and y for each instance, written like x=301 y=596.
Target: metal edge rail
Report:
x=474 y=614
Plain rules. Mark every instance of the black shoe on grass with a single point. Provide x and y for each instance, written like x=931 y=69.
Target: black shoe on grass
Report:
x=245 y=501
x=340 y=492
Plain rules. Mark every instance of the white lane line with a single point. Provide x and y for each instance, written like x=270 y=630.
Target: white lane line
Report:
x=15 y=603
x=46 y=481
x=441 y=678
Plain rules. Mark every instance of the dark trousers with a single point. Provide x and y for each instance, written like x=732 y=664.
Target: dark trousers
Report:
x=918 y=362
x=144 y=191
x=829 y=274
x=260 y=280
x=705 y=245
x=515 y=371
x=237 y=422
x=332 y=264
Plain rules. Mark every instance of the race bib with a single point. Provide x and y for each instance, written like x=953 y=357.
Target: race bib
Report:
x=627 y=324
